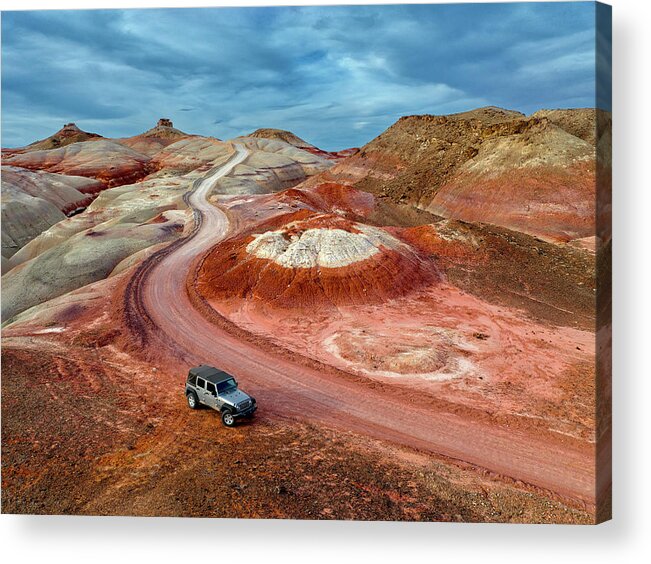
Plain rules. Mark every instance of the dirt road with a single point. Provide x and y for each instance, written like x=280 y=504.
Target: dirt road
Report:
x=286 y=388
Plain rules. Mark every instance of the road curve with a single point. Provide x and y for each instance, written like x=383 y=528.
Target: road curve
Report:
x=285 y=387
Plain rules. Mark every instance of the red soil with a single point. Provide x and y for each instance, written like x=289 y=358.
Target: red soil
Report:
x=134 y=450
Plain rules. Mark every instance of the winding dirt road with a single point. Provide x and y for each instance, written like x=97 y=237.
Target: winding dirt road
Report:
x=286 y=388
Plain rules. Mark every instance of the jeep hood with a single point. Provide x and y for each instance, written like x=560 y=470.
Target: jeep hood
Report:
x=234 y=397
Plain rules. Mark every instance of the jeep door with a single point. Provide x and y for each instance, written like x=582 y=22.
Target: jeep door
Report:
x=202 y=393
x=211 y=395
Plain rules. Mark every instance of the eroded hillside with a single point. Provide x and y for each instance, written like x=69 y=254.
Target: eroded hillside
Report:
x=535 y=174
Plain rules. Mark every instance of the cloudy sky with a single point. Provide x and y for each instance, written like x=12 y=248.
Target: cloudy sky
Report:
x=336 y=76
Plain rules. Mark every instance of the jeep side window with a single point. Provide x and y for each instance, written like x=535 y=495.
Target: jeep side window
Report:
x=192 y=379
x=211 y=388
x=201 y=383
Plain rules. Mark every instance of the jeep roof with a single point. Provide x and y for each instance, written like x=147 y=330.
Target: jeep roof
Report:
x=209 y=373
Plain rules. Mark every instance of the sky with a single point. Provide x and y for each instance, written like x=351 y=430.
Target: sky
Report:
x=337 y=76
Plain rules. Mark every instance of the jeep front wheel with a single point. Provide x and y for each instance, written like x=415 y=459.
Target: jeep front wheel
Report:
x=228 y=419
x=193 y=402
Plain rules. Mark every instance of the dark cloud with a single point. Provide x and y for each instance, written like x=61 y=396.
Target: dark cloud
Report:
x=336 y=76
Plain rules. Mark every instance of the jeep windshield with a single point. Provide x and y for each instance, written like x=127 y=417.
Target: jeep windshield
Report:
x=226 y=386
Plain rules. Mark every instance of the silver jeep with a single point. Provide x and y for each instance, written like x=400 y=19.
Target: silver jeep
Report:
x=217 y=389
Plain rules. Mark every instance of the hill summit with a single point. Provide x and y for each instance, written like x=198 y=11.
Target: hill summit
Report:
x=67 y=135
x=282 y=135
x=164 y=129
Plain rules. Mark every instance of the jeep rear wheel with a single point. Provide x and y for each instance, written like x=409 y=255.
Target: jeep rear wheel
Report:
x=193 y=401
x=228 y=419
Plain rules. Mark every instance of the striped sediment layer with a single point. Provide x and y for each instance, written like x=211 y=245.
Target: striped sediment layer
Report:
x=321 y=260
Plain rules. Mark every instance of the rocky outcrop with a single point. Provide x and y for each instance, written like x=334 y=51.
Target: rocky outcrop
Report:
x=585 y=123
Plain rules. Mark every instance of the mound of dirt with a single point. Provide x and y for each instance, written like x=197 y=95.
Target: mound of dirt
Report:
x=314 y=260
x=116 y=231
x=363 y=206
x=130 y=204
x=270 y=166
x=553 y=284
x=66 y=192
x=310 y=162
x=122 y=223
x=23 y=218
x=82 y=259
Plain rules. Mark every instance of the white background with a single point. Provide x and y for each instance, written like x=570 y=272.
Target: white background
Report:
x=625 y=539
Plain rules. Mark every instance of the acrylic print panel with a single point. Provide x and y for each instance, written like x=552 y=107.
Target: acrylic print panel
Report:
x=346 y=262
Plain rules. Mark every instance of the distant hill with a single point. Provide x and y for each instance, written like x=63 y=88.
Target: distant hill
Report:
x=68 y=134
x=296 y=141
x=153 y=140
x=282 y=135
